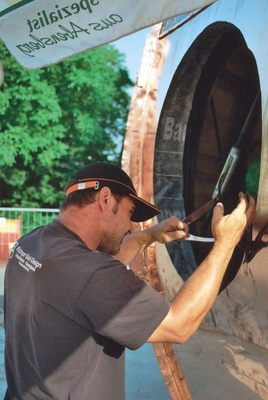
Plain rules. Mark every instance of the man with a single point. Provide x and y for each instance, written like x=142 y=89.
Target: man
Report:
x=71 y=303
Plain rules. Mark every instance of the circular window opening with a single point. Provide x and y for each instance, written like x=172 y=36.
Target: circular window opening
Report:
x=212 y=108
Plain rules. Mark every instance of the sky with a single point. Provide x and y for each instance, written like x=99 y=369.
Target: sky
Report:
x=132 y=46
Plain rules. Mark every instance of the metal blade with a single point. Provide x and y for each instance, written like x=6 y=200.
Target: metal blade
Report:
x=200 y=238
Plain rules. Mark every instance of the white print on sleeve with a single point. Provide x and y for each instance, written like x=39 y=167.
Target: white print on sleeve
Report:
x=26 y=261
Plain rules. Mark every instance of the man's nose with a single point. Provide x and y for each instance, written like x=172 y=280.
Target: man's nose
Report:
x=130 y=230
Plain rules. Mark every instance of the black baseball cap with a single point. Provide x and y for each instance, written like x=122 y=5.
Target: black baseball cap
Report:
x=97 y=175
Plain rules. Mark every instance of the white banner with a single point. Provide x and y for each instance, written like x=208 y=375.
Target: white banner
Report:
x=43 y=32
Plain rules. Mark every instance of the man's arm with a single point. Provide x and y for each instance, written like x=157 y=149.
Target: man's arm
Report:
x=199 y=292
x=164 y=232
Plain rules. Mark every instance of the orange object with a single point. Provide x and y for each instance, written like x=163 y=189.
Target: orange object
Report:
x=10 y=231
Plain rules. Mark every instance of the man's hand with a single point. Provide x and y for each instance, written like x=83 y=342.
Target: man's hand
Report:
x=168 y=230
x=230 y=228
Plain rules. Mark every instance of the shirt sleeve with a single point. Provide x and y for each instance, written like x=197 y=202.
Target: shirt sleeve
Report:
x=117 y=304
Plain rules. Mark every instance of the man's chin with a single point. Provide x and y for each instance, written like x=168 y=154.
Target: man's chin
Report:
x=109 y=252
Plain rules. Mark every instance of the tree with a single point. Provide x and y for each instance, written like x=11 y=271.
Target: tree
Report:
x=56 y=119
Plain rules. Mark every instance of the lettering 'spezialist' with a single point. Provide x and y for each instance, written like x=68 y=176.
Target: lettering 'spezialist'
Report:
x=45 y=17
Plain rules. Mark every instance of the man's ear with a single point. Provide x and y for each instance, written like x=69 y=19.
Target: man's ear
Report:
x=105 y=197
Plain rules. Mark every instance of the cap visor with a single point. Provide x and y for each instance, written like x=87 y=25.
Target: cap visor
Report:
x=143 y=210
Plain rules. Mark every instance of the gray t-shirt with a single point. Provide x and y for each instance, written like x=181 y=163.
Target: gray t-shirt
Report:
x=69 y=314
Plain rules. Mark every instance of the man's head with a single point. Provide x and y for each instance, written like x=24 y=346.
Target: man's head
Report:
x=86 y=182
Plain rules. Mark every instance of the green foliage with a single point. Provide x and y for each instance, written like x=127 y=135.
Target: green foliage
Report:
x=252 y=177
x=55 y=120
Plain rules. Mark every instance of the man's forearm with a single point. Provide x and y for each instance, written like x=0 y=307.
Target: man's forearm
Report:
x=134 y=244
x=163 y=232
x=194 y=299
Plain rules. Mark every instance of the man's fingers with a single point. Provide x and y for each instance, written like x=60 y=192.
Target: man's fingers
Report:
x=177 y=229
x=244 y=211
x=250 y=209
x=218 y=211
x=169 y=230
x=176 y=223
